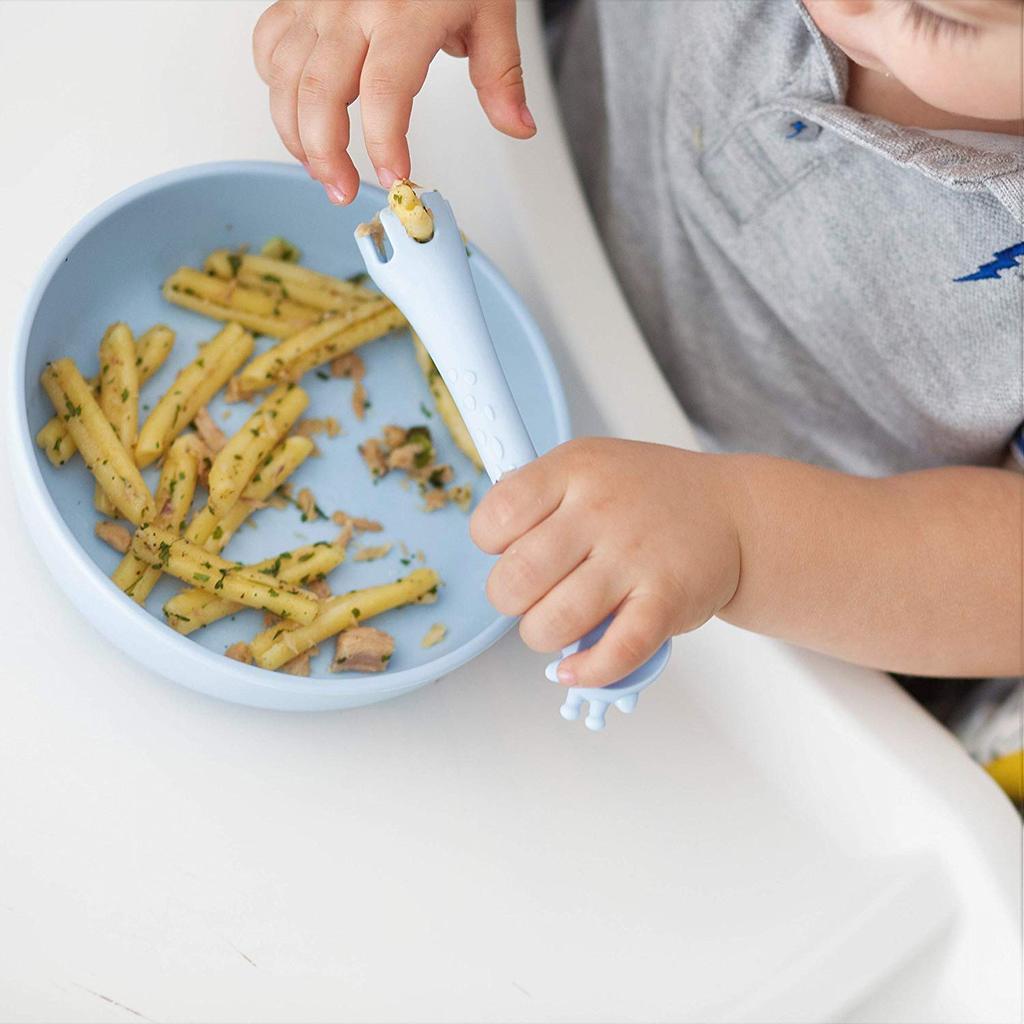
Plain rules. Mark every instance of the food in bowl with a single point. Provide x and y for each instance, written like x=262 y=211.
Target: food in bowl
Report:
x=318 y=321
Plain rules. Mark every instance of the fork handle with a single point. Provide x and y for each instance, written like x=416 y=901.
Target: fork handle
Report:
x=450 y=322
x=453 y=329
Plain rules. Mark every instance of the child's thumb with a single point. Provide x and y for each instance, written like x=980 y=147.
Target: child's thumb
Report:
x=496 y=72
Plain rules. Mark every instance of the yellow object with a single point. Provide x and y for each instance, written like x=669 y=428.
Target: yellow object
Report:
x=118 y=395
x=232 y=301
x=106 y=458
x=409 y=209
x=151 y=351
x=192 y=609
x=445 y=404
x=178 y=478
x=214 y=533
x=172 y=553
x=279 y=644
x=238 y=461
x=1008 y=771
x=336 y=335
x=193 y=388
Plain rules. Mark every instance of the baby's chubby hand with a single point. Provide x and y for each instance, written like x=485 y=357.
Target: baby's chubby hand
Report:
x=317 y=56
x=599 y=526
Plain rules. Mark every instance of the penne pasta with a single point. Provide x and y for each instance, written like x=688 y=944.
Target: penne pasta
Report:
x=445 y=404
x=214 y=533
x=308 y=287
x=279 y=644
x=230 y=300
x=332 y=337
x=410 y=211
x=178 y=478
x=151 y=351
x=118 y=394
x=194 y=386
x=238 y=461
x=192 y=609
x=171 y=553
x=107 y=459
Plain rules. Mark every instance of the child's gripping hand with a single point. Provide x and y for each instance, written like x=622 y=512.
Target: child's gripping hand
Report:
x=317 y=56
x=600 y=526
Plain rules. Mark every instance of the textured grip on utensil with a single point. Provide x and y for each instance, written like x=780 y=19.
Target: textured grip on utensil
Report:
x=432 y=284
x=623 y=694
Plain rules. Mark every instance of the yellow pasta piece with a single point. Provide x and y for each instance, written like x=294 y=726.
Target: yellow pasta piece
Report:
x=332 y=337
x=237 y=462
x=409 y=209
x=279 y=248
x=235 y=295
x=222 y=263
x=306 y=295
x=192 y=609
x=178 y=478
x=214 y=533
x=118 y=394
x=151 y=351
x=107 y=459
x=229 y=300
x=194 y=386
x=328 y=292
x=56 y=442
x=445 y=404
x=277 y=645
x=172 y=553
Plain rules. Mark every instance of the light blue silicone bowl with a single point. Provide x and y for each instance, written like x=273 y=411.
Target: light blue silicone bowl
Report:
x=109 y=268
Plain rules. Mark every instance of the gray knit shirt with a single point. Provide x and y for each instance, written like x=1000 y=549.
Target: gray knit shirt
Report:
x=815 y=282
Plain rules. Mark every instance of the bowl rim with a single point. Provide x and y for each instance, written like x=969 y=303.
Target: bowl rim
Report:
x=103 y=604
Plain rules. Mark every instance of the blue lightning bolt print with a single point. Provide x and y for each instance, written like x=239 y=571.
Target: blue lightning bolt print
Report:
x=1005 y=259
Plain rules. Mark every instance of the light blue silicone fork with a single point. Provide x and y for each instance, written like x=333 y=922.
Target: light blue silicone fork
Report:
x=431 y=283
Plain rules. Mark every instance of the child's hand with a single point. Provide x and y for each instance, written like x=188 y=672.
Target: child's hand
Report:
x=317 y=56
x=599 y=526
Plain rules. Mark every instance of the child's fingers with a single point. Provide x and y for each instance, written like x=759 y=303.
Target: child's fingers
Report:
x=535 y=563
x=517 y=503
x=328 y=84
x=637 y=631
x=394 y=72
x=286 y=63
x=496 y=72
x=573 y=607
x=267 y=33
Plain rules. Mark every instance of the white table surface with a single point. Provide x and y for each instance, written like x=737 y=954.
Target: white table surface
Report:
x=462 y=853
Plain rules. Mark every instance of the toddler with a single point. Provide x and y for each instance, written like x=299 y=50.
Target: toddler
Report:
x=815 y=210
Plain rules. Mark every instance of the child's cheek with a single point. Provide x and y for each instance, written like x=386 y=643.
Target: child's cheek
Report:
x=974 y=78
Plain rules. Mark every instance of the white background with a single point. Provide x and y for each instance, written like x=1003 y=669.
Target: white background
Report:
x=462 y=853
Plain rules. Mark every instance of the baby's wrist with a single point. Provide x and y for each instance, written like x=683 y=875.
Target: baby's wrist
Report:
x=736 y=476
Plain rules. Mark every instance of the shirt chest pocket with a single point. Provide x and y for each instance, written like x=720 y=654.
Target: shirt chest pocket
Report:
x=739 y=168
